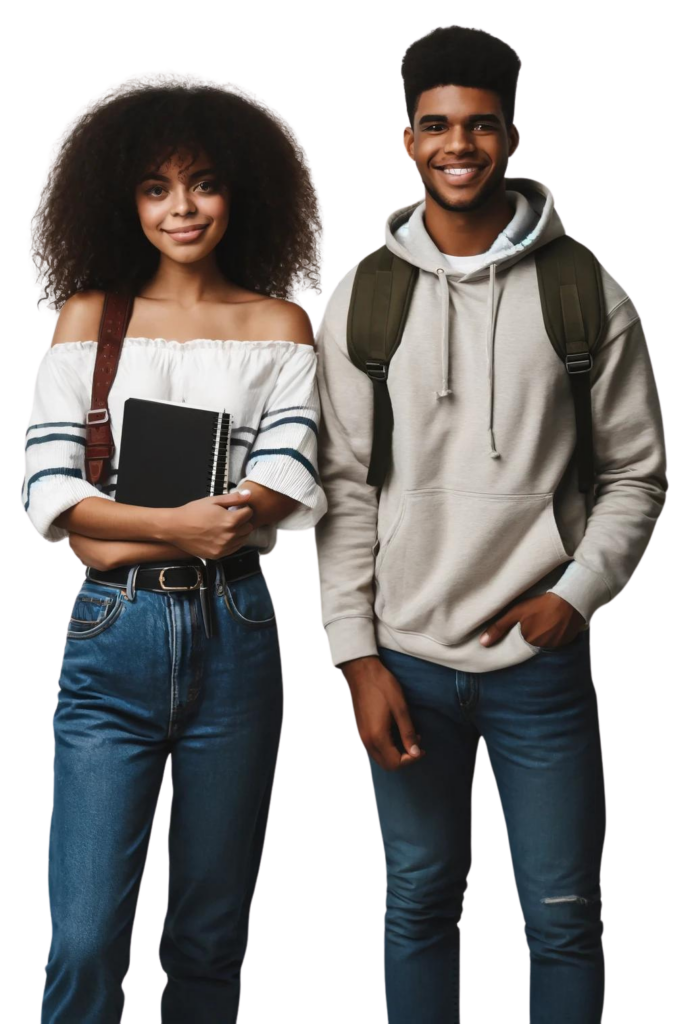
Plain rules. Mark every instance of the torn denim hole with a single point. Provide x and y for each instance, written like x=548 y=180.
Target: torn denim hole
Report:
x=565 y=899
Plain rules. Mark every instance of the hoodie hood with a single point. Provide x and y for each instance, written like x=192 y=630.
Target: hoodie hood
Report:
x=407 y=237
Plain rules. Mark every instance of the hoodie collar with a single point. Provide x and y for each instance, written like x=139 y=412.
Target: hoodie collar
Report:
x=415 y=245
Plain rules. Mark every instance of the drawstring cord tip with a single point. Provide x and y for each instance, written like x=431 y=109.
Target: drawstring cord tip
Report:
x=443 y=393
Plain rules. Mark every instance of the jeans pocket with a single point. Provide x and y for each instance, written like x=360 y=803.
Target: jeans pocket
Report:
x=249 y=602
x=93 y=612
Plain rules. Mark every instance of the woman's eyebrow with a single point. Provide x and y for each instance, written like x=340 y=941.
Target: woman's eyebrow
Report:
x=162 y=177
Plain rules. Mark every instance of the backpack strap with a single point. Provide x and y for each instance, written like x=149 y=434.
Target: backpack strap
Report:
x=571 y=290
x=100 y=447
x=380 y=300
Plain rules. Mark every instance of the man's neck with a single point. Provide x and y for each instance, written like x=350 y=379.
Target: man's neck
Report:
x=467 y=232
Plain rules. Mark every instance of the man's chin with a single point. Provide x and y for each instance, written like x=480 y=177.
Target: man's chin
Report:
x=455 y=203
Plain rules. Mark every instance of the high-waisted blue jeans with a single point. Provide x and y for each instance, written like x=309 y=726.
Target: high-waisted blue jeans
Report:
x=140 y=681
x=539 y=720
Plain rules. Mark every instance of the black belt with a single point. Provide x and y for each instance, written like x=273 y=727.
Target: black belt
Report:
x=180 y=575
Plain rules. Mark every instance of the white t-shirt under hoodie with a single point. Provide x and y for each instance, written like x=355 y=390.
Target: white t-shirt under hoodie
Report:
x=269 y=387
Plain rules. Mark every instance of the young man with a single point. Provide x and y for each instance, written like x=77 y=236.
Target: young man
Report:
x=458 y=592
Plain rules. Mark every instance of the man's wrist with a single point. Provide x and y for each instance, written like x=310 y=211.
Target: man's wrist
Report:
x=567 y=607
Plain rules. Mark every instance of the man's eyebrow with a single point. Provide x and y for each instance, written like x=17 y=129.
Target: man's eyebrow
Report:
x=436 y=118
x=153 y=175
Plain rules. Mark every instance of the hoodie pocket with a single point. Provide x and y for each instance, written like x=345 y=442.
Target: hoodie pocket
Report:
x=454 y=559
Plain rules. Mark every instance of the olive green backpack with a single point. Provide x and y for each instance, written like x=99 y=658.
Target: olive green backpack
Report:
x=571 y=290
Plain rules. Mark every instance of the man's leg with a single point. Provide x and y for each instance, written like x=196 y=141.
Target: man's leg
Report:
x=425 y=816
x=540 y=722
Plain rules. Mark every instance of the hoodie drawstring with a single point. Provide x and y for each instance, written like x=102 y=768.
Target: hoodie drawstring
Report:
x=490 y=347
x=444 y=297
x=490 y=353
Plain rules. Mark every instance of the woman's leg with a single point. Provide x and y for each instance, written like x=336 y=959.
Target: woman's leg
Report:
x=540 y=721
x=110 y=750
x=225 y=748
x=425 y=817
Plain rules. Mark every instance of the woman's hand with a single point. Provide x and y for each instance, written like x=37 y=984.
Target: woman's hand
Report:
x=209 y=527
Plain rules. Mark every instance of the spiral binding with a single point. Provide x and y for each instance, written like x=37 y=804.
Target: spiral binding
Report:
x=219 y=460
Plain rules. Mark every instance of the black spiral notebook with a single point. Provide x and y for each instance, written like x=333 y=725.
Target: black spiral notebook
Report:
x=171 y=453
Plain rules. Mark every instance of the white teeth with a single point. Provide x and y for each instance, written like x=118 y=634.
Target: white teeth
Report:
x=458 y=170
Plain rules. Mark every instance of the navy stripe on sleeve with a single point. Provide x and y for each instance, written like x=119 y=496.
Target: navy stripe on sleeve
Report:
x=55 y=437
x=64 y=471
x=289 y=408
x=292 y=454
x=291 y=419
x=59 y=423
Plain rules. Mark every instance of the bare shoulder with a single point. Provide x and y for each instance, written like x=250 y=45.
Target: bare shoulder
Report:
x=80 y=317
x=281 y=320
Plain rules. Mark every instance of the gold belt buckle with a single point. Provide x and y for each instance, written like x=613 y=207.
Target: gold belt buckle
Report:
x=193 y=586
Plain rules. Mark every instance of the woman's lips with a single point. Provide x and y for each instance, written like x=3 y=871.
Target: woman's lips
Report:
x=187 y=236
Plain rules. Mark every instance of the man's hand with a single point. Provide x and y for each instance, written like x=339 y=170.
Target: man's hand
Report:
x=546 y=621
x=380 y=707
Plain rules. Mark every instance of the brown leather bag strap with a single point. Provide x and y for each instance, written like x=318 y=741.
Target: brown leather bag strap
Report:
x=100 y=447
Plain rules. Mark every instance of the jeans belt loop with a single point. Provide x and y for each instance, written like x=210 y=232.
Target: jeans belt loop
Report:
x=131 y=582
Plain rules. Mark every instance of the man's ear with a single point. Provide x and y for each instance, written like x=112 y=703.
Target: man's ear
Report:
x=513 y=139
x=409 y=140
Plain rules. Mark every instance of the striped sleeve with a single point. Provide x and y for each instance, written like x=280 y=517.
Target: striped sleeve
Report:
x=55 y=444
x=284 y=454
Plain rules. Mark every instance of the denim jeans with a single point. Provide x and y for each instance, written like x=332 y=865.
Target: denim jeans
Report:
x=539 y=720
x=140 y=681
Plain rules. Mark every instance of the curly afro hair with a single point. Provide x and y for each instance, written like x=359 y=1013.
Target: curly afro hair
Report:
x=461 y=56
x=86 y=231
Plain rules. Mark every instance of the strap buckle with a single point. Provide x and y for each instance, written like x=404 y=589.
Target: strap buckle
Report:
x=376 y=370
x=102 y=413
x=193 y=586
x=578 y=362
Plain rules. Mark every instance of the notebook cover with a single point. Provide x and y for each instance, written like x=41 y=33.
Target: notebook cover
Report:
x=166 y=452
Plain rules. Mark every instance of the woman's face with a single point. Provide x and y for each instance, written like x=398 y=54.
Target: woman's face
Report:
x=183 y=209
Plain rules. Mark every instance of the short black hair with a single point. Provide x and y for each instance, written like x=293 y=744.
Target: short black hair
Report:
x=461 y=56
x=87 y=234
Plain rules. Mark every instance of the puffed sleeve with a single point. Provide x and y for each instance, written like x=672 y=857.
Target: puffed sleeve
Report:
x=284 y=453
x=55 y=443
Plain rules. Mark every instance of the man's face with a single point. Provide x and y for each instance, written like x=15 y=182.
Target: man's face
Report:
x=460 y=144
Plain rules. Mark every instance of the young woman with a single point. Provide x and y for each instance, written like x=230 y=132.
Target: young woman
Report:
x=199 y=202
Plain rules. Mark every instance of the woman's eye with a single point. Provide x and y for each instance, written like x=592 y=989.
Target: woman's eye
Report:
x=211 y=186
x=150 y=191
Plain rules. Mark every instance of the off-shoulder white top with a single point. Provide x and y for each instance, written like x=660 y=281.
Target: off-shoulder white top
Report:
x=269 y=387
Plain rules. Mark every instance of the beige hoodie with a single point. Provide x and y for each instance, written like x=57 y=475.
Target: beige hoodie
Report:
x=481 y=508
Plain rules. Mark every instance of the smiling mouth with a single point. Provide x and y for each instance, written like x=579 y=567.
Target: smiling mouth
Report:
x=187 y=234
x=460 y=173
